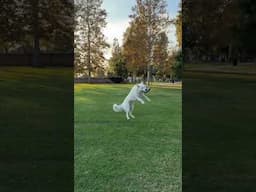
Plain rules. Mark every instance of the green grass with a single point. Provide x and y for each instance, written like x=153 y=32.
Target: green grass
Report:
x=36 y=129
x=218 y=132
x=116 y=155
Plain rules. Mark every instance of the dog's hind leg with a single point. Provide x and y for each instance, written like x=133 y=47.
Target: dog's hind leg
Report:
x=131 y=110
x=127 y=115
x=132 y=116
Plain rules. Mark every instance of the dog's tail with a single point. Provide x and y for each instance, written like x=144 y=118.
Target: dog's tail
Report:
x=117 y=108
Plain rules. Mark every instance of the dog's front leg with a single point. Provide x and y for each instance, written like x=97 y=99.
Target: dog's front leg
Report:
x=140 y=100
x=146 y=97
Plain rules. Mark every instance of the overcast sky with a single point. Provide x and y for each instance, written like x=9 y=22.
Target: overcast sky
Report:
x=118 y=19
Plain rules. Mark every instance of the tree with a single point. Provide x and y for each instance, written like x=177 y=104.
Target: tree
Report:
x=117 y=63
x=210 y=29
x=28 y=23
x=51 y=21
x=176 y=65
x=90 y=42
x=135 y=47
x=178 y=25
x=160 y=55
x=247 y=27
x=11 y=24
x=153 y=14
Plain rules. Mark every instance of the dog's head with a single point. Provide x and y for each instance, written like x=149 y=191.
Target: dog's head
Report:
x=143 y=88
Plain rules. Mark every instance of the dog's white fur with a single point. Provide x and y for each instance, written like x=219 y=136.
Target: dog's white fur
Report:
x=136 y=93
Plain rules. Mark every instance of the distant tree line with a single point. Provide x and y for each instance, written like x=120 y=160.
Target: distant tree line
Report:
x=144 y=52
x=219 y=30
x=166 y=64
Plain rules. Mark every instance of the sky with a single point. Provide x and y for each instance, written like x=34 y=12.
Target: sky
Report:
x=118 y=12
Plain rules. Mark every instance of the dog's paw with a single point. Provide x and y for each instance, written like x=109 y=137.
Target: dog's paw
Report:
x=132 y=116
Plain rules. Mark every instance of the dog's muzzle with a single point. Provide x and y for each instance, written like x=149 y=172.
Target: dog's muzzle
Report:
x=147 y=90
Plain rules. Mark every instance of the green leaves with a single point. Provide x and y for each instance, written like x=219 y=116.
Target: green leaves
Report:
x=89 y=38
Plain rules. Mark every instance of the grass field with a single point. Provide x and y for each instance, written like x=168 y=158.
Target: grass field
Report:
x=36 y=126
x=218 y=132
x=116 y=155
x=113 y=154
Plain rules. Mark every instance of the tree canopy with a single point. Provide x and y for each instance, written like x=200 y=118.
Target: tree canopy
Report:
x=218 y=30
x=51 y=22
x=89 y=38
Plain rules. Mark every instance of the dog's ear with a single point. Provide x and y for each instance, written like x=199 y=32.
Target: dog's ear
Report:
x=143 y=82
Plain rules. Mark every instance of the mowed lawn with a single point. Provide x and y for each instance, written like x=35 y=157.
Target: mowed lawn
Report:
x=36 y=126
x=116 y=155
x=219 y=132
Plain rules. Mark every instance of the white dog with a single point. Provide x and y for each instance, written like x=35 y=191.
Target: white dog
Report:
x=136 y=93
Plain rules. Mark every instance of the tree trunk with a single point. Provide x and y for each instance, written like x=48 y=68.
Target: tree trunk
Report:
x=6 y=50
x=36 y=51
x=150 y=41
x=89 y=76
x=36 y=48
x=89 y=48
x=89 y=59
x=230 y=52
x=150 y=54
x=134 y=76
